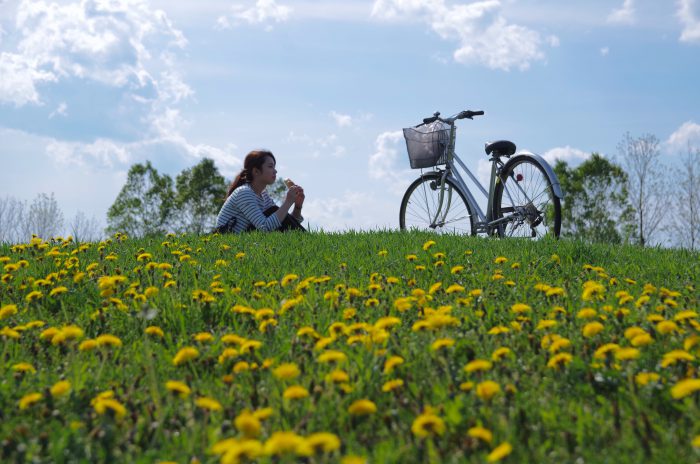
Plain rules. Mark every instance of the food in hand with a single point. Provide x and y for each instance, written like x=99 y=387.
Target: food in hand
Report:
x=289 y=183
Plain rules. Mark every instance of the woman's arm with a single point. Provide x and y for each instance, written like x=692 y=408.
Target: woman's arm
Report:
x=288 y=202
x=247 y=202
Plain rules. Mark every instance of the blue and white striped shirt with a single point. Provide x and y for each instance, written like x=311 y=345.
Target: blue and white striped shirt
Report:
x=247 y=208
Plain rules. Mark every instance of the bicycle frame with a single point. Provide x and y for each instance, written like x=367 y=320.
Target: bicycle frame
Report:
x=486 y=222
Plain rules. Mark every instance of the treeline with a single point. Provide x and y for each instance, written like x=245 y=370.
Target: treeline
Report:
x=635 y=198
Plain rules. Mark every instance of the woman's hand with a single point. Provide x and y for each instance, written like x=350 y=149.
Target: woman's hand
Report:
x=300 y=197
x=293 y=195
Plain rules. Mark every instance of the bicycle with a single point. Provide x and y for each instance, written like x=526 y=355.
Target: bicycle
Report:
x=524 y=197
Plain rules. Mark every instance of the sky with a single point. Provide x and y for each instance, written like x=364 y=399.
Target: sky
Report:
x=89 y=88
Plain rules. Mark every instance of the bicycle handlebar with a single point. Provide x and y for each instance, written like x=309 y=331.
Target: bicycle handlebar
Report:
x=467 y=114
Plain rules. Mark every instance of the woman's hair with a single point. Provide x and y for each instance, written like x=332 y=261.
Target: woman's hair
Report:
x=254 y=159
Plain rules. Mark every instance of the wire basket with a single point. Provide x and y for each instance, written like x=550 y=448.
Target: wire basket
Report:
x=427 y=145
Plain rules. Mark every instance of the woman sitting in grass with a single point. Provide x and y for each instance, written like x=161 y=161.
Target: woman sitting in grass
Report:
x=249 y=207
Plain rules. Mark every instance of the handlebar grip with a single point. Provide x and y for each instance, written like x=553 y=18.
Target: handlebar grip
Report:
x=469 y=114
x=429 y=120
x=477 y=113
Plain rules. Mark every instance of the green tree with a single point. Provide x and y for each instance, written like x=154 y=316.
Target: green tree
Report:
x=144 y=205
x=278 y=190
x=200 y=193
x=596 y=205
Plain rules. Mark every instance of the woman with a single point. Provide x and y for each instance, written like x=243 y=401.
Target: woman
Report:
x=249 y=207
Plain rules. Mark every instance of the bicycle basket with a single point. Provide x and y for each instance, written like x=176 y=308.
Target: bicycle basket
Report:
x=427 y=145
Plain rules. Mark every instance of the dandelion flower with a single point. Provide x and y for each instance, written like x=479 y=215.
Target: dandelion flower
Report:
x=29 y=399
x=185 y=354
x=428 y=424
x=286 y=443
x=558 y=360
x=487 y=390
x=391 y=363
x=337 y=376
x=392 y=385
x=481 y=433
x=362 y=407
x=179 y=388
x=644 y=378
x=672 y=357
x=286 y=371
x=500 y=260
x=24 y=367
x=500 y=452
x=7 y=311
x=102 y=406
x=626 y=354
x=295 y=392
x=592 y=329
x=208 y=403
x=248 y=424
x=329 y=356
x=60 y=388
x=666 y=327
x=324 y=442
x=108 y=340
x=685 y=388
x=442 y=343
x=427 y=245
x=478 y=365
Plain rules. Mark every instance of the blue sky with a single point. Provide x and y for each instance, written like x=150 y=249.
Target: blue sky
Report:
x=87 y=88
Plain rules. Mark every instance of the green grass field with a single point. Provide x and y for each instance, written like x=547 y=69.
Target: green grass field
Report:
x=356 y=347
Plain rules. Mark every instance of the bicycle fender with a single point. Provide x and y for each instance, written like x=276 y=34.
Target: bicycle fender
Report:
x=556 y=186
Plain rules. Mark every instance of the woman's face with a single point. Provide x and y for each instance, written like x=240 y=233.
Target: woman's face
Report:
x=268 y=173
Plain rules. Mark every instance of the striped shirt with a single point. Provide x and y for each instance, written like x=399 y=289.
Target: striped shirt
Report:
x=247 y=208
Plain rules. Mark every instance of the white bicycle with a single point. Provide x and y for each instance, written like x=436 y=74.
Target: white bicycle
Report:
x=524 y=196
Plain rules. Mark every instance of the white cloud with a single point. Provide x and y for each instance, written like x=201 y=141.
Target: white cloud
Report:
x=62 y=110
x=389 y=163
x=353 y=211
x=623 y=15
x=484 y=36
x=263 y=12
x=690 y=18
x=342 y=120
x=120 y=44
x=567 y=154
x=320 y=146
x=604 y=51
x=687 y=135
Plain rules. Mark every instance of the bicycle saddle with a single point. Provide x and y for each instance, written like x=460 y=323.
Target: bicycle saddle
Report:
x=500 y=148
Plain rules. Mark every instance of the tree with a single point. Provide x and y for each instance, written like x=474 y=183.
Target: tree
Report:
x=12 y=214
x=200 y=193
x=646 y=187
x=686 y=224
x=83 y=229
x=278 y=190
x=144 y=205
x=45 y=218
x=596 y=206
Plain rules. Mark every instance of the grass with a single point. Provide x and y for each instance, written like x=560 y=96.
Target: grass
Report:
x=498 y=362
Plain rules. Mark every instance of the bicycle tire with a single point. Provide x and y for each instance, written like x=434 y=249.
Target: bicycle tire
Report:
x=421 y=201
x=535 y=209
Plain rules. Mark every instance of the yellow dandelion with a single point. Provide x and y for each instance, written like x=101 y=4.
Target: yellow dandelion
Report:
x=391 y=363
x=248 y=424
x=105 y=405
x=329 y=356
x=323 y=442
x=286 y=371
x=29 y=399
x=337 y=376
x=478 y=365
x=500 y=260
x=672 y=357
x=108 y=340
x=644 y=378
x=500 y=452
x=427 y=245
x=427 y=425
x=185 y=354
x=203 y=337
x=60 y=388
x=558 y=360
x=481 y=433
x=208 y=403
x=626 y=354
x=295 y=392
x=392 y=385
x=7 y=311
x=666 y=327
x=362 y=407
x=592 y=329
x=442 y=343
x=24 y=367
x=179 y=388
x=685 y=388
x=487 y=390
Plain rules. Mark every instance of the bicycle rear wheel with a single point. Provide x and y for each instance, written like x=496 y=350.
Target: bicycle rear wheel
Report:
x=421 y=208
x=525 y=196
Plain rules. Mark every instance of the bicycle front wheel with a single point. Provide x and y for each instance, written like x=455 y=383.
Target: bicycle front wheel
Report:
x=524 y=201
x=427 y=206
